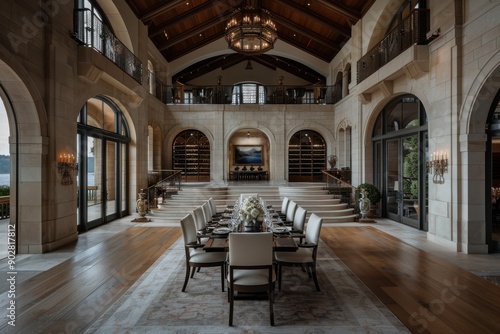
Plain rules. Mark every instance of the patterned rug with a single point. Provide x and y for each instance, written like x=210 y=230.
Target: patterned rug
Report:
x=155 y=304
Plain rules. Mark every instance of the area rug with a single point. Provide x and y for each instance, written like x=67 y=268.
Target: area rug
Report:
x=155 y=303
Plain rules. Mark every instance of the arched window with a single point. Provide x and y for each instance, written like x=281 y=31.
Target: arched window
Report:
x=103 y=139
x=306 y=157
x=249 y=93
x=191 y=155
x=404 y=11
x=95 y=24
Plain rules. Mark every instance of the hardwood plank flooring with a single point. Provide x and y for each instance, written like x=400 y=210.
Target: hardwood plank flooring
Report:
x=71 y=296
x=428 y=294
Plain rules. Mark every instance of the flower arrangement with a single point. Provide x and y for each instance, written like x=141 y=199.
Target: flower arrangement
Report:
x=252 y=208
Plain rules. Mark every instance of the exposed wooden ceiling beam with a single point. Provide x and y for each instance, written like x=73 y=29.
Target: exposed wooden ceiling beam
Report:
x=190 y=33
x=342 y=9
x=313 y=16
x=159 y=9
x=170 y=57
x=300 y=30
x=308 y=50
x=186 y=16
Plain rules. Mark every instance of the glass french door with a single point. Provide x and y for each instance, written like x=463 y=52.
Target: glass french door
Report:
x=95 y=183
x=402 y=183
x=105 y=183
x=393 y=178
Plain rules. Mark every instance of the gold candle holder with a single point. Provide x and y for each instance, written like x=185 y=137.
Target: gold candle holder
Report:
x=438 y=165
x=67 y=167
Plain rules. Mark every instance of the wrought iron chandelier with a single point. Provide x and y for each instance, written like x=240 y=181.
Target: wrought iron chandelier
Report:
x=251 y=31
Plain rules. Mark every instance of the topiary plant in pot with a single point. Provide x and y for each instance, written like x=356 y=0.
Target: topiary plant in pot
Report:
x=373 y=195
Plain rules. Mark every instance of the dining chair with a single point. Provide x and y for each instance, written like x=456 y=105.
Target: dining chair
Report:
x=284 y=206
x=207 y=213
x=196 y=257
x=290 y=212
x=213 y=208
x=305 y=256
x=299 y=220
x=200 y=223
x=251 y=267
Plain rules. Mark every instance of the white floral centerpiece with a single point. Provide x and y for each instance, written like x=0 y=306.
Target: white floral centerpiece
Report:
x=252 y=209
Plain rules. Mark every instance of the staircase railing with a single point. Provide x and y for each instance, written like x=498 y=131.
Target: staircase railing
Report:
x=164 y=184
x=342 y=190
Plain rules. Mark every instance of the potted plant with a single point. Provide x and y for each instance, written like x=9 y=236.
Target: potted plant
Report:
x=373 y=195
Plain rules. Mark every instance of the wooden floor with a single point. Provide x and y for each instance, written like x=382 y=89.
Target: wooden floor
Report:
x=71 y=296
x=426 y=293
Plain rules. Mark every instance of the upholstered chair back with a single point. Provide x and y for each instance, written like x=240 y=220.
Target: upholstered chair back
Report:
x=260 y=244
x=290 y=211
x=188 y=229
x=313 y=228
x=299 y=219
x=199 y=218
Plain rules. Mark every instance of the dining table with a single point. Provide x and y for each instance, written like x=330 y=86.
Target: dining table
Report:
x=282 y=243
x=283 y=240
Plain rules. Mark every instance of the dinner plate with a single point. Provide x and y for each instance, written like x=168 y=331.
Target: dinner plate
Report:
x=221 y=230
x=280 y=230
x=223 y=222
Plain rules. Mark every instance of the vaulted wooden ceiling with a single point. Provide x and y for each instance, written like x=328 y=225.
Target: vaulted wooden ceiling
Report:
x=318 y=27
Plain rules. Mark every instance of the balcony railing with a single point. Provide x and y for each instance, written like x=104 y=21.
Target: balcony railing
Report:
x=90 y=31
x=237 y=95
x=411 y=31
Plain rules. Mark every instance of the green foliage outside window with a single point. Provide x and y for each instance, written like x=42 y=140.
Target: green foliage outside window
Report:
x=4 y=190
x=410 y=182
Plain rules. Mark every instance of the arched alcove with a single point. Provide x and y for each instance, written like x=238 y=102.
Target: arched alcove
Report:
x=248 y=155
x=191 y=155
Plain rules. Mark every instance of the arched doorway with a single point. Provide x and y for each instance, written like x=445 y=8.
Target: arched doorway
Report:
x=306 y=157
x=400 y=155
x=191 y=155
x=103 y=141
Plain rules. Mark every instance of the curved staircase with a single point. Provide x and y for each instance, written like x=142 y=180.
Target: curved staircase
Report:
x=310 y=196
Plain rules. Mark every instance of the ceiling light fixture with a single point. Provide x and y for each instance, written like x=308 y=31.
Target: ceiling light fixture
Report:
x=251 y=31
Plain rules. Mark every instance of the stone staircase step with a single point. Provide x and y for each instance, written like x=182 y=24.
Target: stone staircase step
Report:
x=310 y=196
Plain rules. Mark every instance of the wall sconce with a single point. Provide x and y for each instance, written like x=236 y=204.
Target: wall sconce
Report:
x=438 y=165
x=67 y=167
